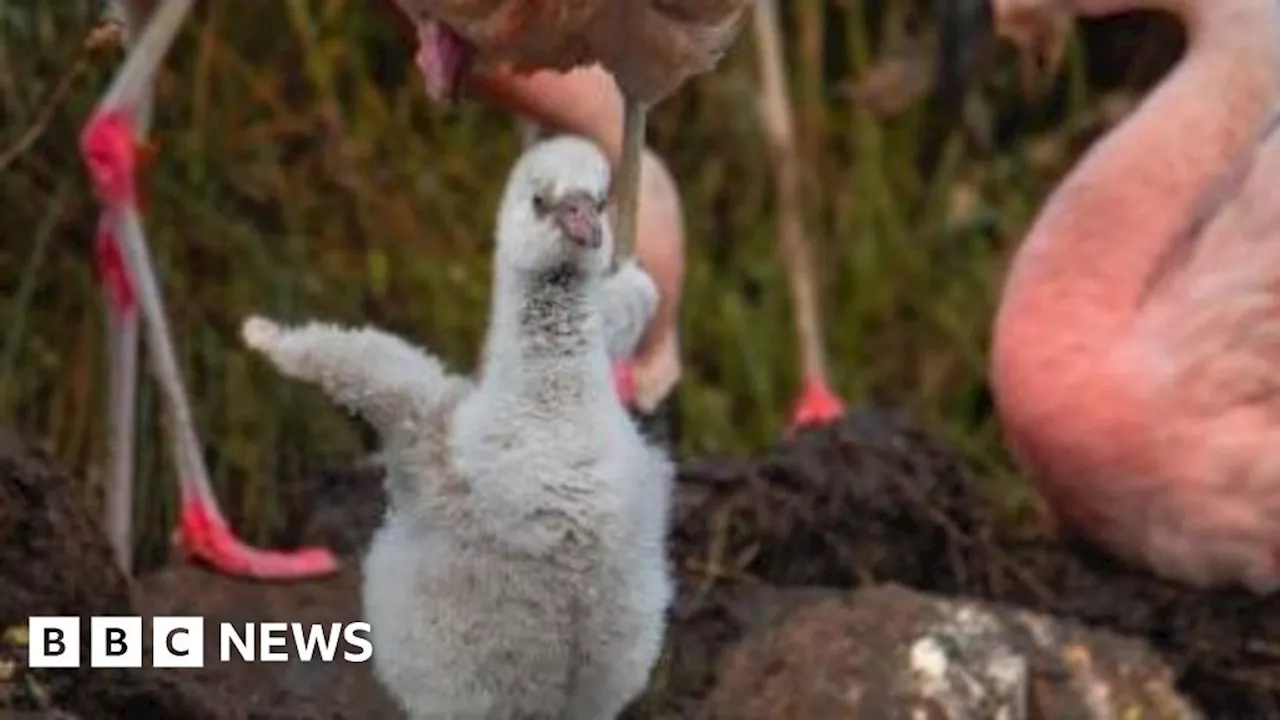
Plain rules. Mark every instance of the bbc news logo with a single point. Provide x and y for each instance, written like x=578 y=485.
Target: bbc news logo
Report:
x=178 y=642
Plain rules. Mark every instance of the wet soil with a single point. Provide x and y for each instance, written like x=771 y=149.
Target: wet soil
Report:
x=870 y=499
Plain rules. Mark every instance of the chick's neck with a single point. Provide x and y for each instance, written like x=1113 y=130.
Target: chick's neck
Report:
x=546 y=340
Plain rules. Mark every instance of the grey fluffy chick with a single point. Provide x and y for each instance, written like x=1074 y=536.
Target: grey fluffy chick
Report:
x=521 y=571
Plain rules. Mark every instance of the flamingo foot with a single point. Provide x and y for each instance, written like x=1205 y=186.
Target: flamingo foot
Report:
x=817 y=405
x=203 y=535
x=625 y=381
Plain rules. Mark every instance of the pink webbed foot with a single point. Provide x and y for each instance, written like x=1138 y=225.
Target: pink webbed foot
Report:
x=625 y=382
x=817 y=405
x=203 y=535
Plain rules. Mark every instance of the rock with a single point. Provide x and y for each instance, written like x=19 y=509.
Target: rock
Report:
x=890 y=652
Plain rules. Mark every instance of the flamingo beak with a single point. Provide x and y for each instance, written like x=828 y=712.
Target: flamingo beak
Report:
x=1040 y=30
x=444 y=58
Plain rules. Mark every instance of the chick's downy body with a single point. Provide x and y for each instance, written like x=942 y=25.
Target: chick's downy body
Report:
x=542 y=593
x=520 y=572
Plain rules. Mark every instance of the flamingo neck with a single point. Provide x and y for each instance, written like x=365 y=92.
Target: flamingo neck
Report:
x=545 y=348
x=1078 y=279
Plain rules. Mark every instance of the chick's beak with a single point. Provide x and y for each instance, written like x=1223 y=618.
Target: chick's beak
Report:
x=578 y=216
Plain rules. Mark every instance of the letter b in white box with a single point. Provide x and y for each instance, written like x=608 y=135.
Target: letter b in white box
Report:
x=177 y=642
x=53 y=642
x=115 y=642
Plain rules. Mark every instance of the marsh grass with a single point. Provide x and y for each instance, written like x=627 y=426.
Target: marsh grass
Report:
x=302 y=173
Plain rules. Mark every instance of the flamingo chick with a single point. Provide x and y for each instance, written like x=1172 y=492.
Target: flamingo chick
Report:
x=521 y=570
x=1136 y=351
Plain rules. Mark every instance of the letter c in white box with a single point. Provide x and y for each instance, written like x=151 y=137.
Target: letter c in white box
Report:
x=177 y=642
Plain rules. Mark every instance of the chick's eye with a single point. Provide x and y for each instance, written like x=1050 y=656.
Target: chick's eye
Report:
x=602 y=203
x=541 y=204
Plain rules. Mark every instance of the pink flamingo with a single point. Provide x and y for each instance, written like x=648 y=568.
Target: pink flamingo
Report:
x=109 y=145
x=1136 y=353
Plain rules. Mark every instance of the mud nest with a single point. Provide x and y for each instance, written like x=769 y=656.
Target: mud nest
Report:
x=54 y=560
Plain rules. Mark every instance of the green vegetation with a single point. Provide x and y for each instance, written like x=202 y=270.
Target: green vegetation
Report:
x=302 y=172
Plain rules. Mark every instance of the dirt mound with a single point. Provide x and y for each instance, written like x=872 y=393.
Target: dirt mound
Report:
x=54 y=560
x=280 y=690
x=872 y=499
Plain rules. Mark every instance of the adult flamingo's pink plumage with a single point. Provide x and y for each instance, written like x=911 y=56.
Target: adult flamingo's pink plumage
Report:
x=1136 y=355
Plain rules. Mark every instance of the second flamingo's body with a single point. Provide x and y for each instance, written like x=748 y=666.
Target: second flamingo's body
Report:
x=1136 y=357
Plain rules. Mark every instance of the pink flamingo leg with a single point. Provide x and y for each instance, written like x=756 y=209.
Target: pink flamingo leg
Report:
x=108 y=148
x=122 y=362
x=122 y=337
x=816 y=403
x=203 y=532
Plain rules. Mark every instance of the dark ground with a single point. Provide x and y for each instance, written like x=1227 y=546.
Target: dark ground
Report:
x=867 y=500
